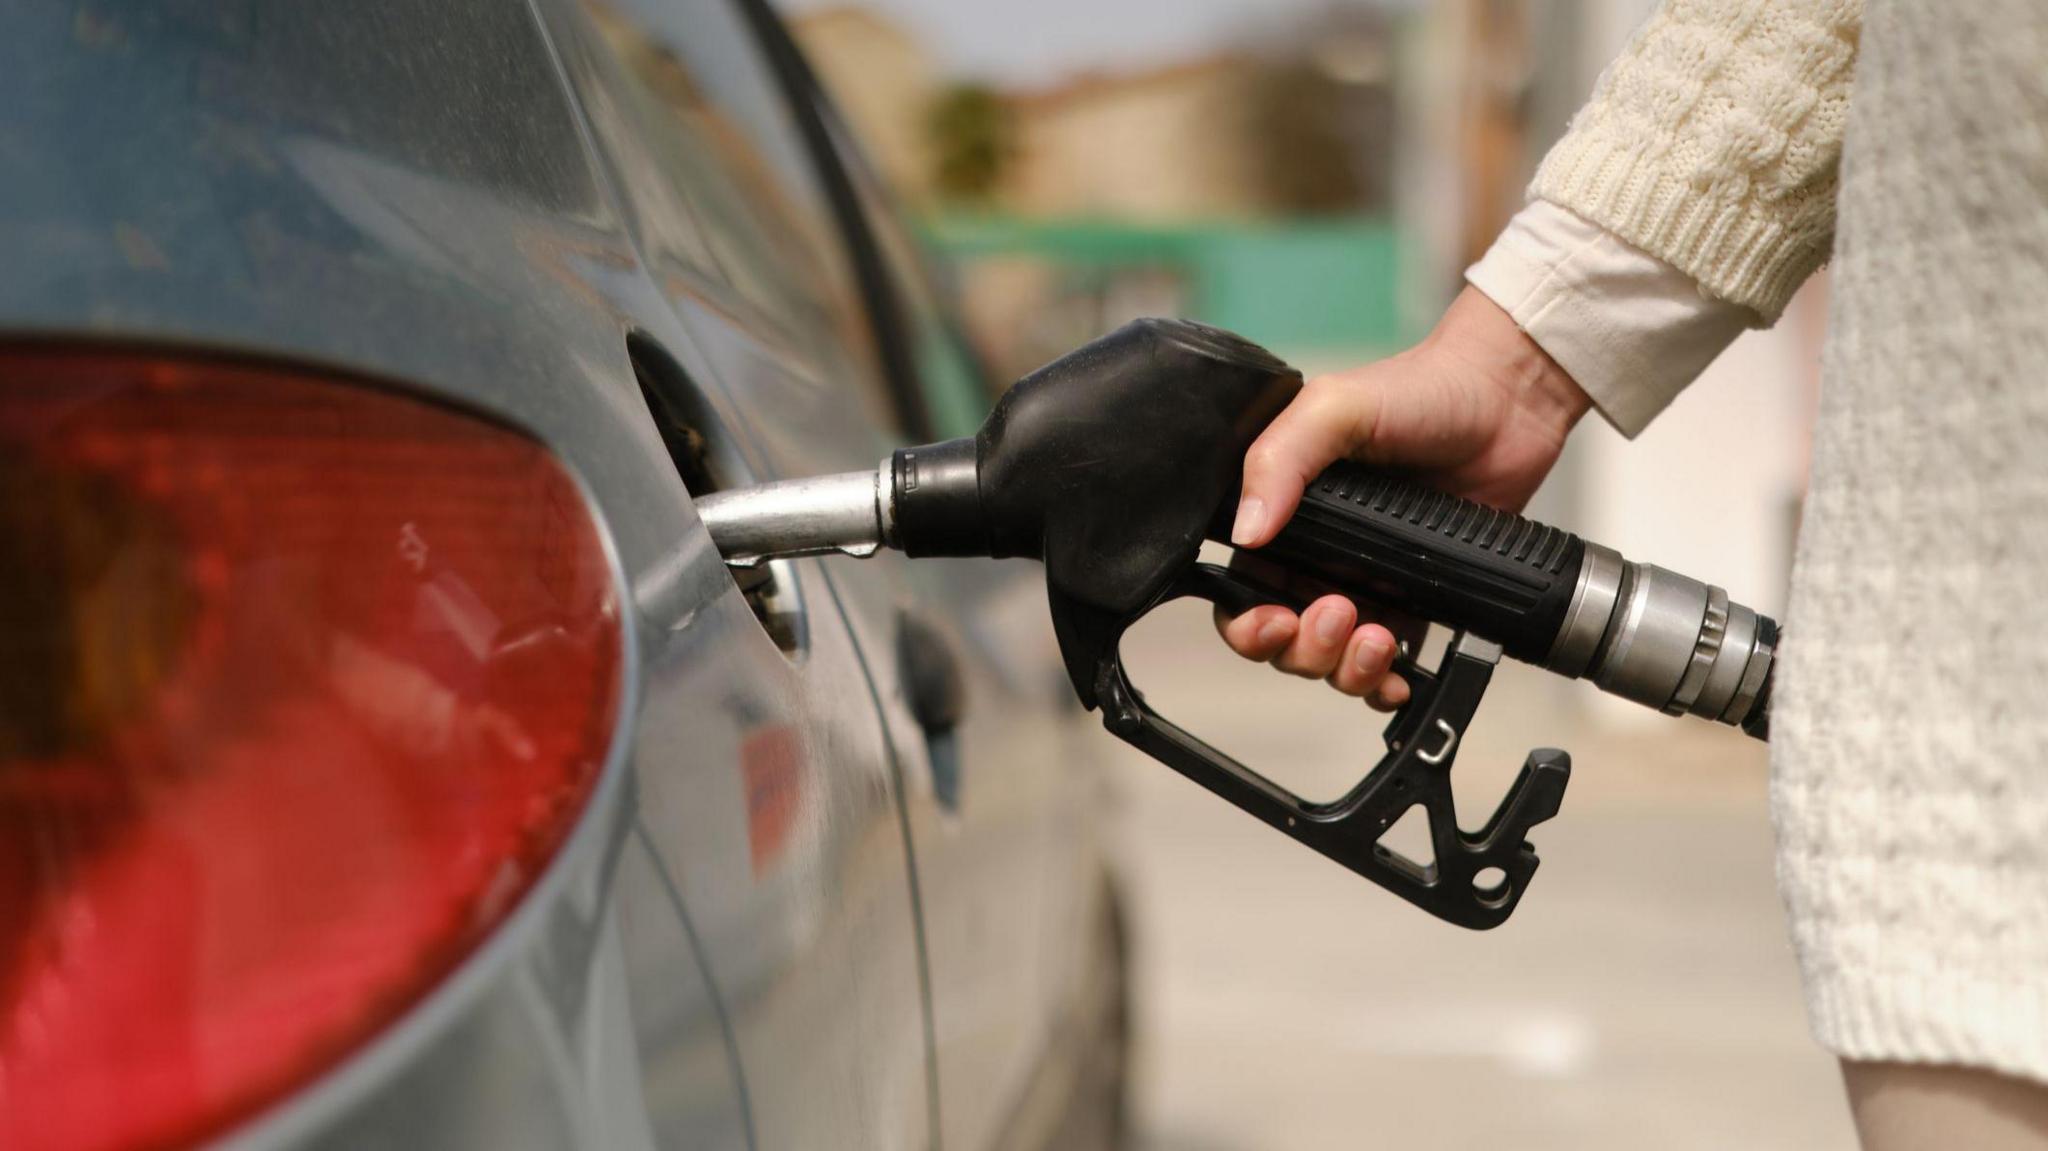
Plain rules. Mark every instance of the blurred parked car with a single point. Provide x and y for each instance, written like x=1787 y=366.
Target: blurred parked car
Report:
x=386 y=757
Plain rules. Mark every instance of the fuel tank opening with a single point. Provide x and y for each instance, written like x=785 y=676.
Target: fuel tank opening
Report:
x=701 y=451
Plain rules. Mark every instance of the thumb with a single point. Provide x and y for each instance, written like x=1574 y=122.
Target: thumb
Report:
x=1328 y=421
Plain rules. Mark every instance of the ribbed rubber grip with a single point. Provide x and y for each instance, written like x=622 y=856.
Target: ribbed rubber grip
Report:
x=1419 y=551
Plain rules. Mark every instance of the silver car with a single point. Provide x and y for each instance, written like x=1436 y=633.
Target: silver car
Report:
x=386 y=757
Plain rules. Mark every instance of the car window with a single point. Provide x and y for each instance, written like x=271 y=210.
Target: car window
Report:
x=762 y=208
x=955 y=386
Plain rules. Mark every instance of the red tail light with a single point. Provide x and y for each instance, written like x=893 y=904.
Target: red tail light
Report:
x=301 y=685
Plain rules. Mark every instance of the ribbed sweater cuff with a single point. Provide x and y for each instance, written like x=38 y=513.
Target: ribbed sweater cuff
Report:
x=1948 y=1017
x=1736 y=252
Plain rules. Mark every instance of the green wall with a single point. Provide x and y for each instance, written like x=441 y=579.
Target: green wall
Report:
x=1301 y=284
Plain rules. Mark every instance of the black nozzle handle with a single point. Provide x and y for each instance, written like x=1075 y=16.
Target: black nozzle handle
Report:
x=934 y=501
x=1404 y=546
x=1106 y=463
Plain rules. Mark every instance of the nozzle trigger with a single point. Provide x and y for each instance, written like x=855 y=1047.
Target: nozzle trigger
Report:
x=1476 y=878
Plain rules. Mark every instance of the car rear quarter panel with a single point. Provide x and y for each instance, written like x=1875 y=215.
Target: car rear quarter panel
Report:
x=405 y=190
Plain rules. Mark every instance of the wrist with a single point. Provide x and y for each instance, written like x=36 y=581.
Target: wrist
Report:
x=1482 y=335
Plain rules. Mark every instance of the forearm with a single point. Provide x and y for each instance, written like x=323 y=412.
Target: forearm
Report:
x=1914 y=1107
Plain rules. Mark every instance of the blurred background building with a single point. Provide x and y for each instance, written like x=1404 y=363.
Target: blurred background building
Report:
x=1316 y=174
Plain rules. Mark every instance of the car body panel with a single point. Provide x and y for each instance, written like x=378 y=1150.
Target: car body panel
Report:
x=449 y=197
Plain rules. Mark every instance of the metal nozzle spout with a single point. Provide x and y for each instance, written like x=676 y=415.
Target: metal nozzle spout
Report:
x=846 y=513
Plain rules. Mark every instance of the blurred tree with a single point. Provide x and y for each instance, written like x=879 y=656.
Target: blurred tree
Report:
x=1320 y=113
x=1297 y=140
x=973 y=136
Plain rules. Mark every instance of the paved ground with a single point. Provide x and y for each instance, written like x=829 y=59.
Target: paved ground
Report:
x=1643 y=995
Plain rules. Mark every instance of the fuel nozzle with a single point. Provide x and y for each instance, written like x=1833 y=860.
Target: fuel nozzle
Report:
x=1115 y=462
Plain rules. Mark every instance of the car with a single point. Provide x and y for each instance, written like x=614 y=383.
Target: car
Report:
x=387 y=758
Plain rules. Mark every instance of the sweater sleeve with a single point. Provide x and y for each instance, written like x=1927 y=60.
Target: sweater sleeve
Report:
x=1712 y=143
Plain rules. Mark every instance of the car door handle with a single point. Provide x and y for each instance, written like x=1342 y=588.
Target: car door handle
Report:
x=933 y=682
x=935 y=688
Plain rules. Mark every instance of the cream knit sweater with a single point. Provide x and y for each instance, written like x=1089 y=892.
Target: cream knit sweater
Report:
x=1910 y=733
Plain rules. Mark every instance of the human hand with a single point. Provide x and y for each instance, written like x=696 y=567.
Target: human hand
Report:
x=1476 y=409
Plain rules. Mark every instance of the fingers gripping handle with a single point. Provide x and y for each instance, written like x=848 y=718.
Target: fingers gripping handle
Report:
x=1419 y=551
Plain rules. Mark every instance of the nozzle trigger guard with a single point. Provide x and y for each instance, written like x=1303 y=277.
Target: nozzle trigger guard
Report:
x=1476 y=879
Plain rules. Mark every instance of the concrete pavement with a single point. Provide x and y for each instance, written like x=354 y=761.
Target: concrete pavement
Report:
x=1644 y=994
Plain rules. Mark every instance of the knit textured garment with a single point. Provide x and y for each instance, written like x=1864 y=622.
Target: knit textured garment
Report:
x=1713 y=142
x=1910 y=730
